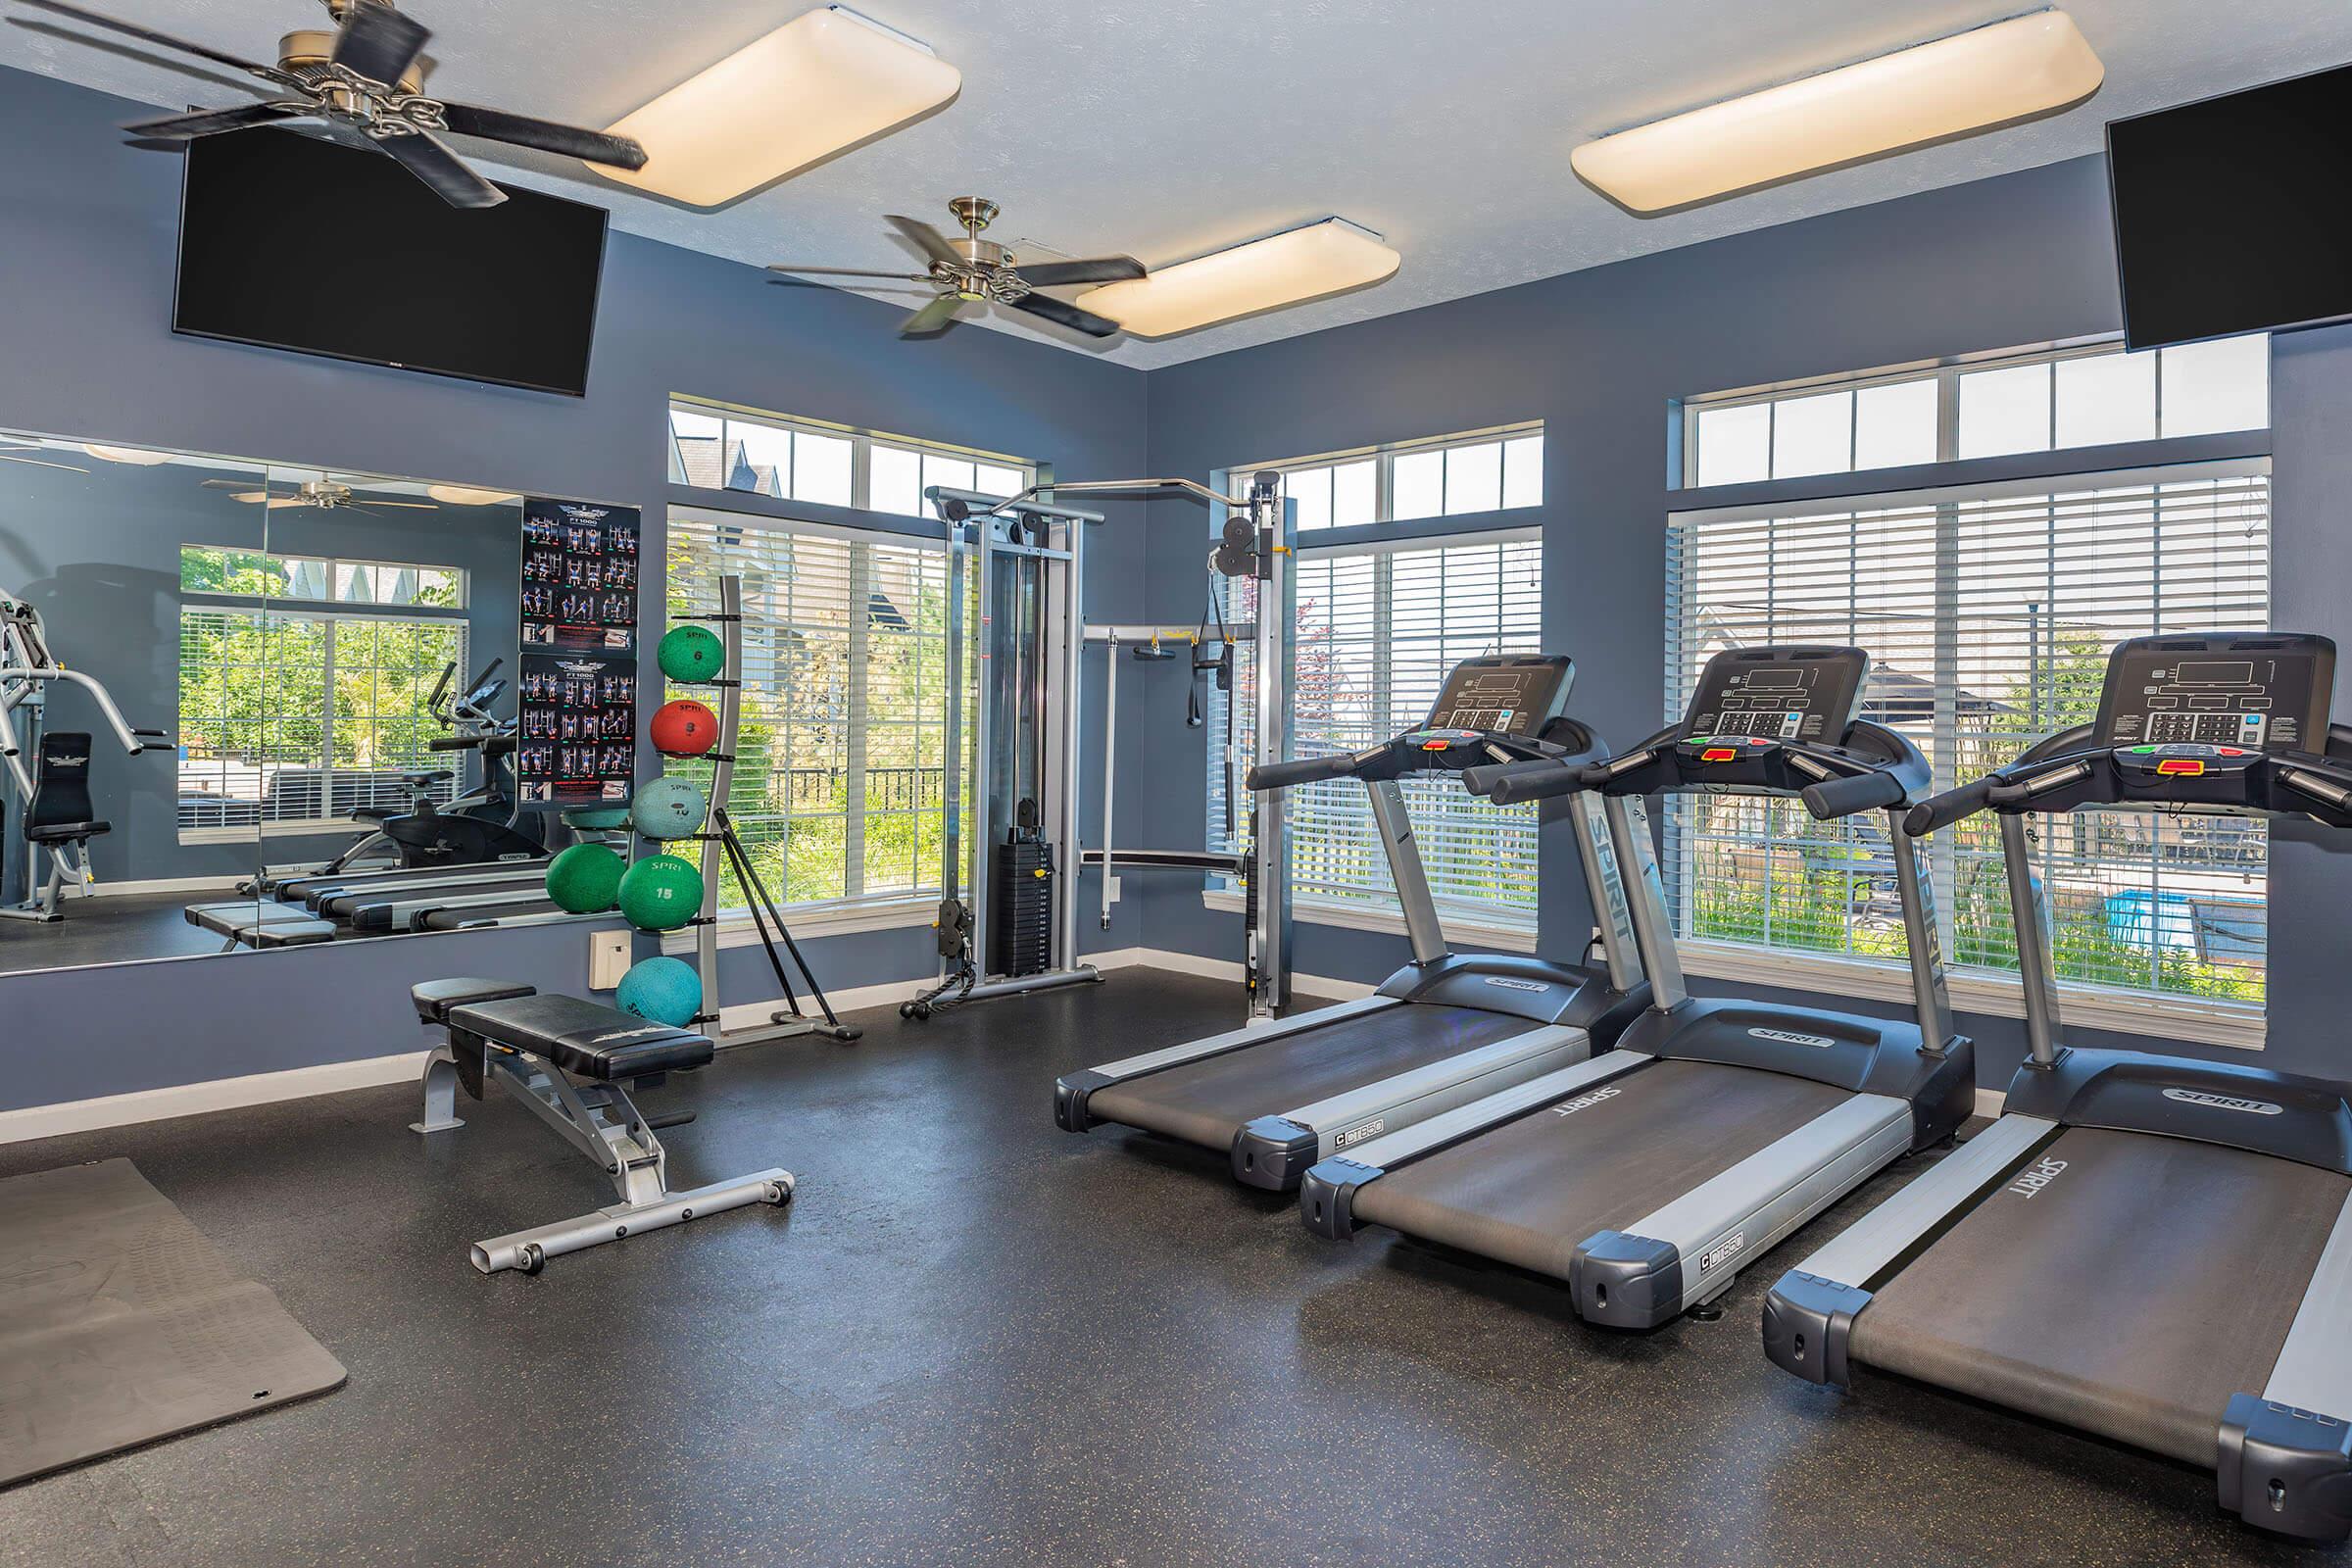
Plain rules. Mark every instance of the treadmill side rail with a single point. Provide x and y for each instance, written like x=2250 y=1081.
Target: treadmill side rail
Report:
x=1690 y=1250
x=1452 y=1126
x=1860 y=1253
x=1273 y=1152
x=2314 y=1368
x=2285 y=1469
x=1072 y=1090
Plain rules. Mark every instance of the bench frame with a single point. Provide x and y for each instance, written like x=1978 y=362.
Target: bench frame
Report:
x=600 y=1120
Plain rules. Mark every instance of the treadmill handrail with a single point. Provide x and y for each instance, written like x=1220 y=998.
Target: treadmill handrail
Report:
x=2061 y=775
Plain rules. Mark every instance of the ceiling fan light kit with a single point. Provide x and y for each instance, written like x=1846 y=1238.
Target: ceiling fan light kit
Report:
x=1265 y=274
x=2006 y=72
x=825 y=81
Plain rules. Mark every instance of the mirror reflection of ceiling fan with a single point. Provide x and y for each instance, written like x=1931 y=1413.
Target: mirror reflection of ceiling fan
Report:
x=364 y=80
x=9 y=448
x=972 y=270
x=323 y=495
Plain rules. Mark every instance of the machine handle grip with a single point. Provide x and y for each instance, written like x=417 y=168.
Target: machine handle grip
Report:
x=453 y=743
x=1300 y=770
x=449 y=672
x=1483 y=779
x=1942 y=810
x=1857 y=792
x=1538 y=783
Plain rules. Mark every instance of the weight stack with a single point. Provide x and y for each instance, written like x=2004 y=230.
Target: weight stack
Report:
x=1021 y=938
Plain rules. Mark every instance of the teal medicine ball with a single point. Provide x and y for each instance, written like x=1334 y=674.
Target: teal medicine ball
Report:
x=662 y=990
x=669 y=809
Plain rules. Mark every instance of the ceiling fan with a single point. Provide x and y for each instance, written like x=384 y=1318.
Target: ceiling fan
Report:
x=9 y=447
x=972 y=270
x=365 y=77
x=323 y=494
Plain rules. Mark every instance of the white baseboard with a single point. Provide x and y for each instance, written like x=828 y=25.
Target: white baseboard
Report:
x=194 y=1099
x=302 y=1083
x=161 y=884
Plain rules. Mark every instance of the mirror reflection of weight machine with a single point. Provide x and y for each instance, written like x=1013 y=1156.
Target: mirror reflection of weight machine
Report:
x=1008 y=913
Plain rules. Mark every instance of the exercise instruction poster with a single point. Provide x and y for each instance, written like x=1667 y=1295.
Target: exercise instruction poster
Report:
x=578 y=744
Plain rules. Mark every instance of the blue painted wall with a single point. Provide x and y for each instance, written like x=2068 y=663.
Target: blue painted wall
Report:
x=87 y=234
x=1599 y=355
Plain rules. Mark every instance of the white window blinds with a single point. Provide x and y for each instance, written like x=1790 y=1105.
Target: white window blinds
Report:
x=839 y=760
x=1988 y=614
x=1378 y=629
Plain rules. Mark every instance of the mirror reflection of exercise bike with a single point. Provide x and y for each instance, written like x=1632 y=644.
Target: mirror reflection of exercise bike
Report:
x=57 y=817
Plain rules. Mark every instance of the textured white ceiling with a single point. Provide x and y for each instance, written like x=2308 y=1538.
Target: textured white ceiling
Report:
x=1170 y=127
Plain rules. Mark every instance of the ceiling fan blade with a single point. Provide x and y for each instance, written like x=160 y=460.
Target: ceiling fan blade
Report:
x=1094 y=269
x=521 y=130
x=1065 y=313
x=378 y=42
x=853 y=272
x=409 y=506
x=288 y=501
x=932 y=318
x=933 y=243
x=149 y=35
x=428 y=158
x=39 y=463
x=224 y=485
x=213 y=122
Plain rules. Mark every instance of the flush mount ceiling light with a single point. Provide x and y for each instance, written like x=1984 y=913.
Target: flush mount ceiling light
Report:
x=461 y=495
x=1286 y=268
x=823 y=82
x=2006 y=72
x=131 y=454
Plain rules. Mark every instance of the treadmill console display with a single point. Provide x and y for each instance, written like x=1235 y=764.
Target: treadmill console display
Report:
x=2262 y=692
x=1507 y=694
x=1782 y=694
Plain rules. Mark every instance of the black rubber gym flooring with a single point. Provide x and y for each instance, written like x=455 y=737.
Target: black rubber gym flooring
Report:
x=976 y=1340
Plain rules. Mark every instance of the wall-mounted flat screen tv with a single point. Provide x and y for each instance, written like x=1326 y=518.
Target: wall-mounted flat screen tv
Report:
x=2231 y=214
x=291 y=241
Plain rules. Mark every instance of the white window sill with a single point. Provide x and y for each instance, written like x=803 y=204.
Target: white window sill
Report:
x=1471 y=934
x=312 y=828
x=2199 y=1018
x=737 y=930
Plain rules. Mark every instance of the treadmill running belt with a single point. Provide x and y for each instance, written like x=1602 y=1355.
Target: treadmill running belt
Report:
x=1531 y=1190
x=1208 y=1101
x=2130 y=1296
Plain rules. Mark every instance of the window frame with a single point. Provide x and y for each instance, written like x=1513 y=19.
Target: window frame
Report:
x=1946 y=376
x=1975 y=989
x=863 y=443
x=852 y=912
x=1383 y=457
x=332 y=615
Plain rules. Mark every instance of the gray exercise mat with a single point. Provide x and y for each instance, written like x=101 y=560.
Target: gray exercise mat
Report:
x=119 y=1324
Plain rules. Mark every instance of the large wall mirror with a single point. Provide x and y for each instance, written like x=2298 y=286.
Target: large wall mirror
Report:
x=320 y=659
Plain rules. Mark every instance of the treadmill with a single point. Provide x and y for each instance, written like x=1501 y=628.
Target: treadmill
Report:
x=2150 y=1249
x=1645 y=1179
x=1446 y=1029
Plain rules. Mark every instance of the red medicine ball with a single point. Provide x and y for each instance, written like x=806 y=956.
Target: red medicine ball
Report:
x=684 y=729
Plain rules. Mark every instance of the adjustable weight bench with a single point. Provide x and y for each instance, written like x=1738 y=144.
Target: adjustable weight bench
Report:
x=537 y=1049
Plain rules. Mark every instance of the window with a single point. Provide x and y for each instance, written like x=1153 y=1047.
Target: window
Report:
x=1378 y=629
x=1493 y=470
x=1990 y=612
x=2039 y=402
x=722 y=449
x=305 y=686
x=840 y=761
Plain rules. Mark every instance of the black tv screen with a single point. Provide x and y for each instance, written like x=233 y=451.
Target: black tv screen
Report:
x=2231 y=214
x=293 y=242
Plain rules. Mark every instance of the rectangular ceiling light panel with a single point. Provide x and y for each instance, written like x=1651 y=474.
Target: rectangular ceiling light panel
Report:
x=1286 y=269
x=823 y=82
x=2005 y=72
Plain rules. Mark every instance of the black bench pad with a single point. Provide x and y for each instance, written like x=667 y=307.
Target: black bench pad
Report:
x=260 y=925
x=434 y=998
x=586 y=1038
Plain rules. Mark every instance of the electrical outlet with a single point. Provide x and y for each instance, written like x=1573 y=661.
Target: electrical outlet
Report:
x=608 y=958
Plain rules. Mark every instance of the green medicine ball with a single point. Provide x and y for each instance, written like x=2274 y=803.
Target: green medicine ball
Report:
x=691 y=653
x=585 y=879
x=660 y=893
